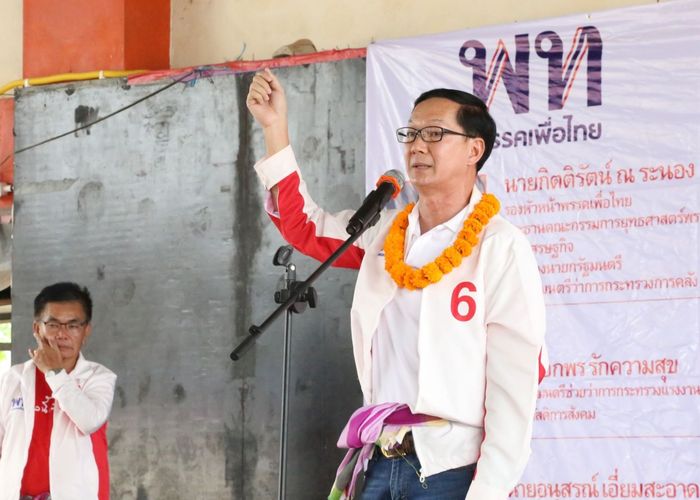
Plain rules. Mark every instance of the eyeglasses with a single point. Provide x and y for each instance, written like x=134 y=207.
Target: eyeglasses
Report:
x=428 y=134
x=71 y=326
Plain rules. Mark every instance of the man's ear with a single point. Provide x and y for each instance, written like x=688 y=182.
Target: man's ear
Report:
x=477 y=146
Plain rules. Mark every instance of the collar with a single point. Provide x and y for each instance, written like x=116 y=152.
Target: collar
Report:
x=80 y=363
x=454 y=224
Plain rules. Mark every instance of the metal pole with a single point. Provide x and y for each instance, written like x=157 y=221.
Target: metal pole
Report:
x=286 y=361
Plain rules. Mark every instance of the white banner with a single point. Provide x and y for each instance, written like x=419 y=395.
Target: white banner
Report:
x=596 y=161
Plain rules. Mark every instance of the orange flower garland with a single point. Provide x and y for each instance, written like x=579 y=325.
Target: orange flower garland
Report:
x=411 y=278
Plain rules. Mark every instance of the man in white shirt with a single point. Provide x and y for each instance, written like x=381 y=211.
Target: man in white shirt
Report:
x=54 y=407
x=447 y=318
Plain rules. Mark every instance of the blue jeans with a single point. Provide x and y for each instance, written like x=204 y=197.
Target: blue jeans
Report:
x=395 y=479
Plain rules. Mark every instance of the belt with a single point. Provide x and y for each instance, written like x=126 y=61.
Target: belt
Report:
x=405 y=447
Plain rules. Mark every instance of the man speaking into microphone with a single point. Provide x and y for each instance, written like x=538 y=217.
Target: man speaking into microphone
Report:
x=447 y=317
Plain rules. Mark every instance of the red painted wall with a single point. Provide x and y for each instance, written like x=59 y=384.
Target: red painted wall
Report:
x=70 y=36
x=147 y=34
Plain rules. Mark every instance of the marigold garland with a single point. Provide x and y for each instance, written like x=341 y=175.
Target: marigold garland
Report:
x=411 y=278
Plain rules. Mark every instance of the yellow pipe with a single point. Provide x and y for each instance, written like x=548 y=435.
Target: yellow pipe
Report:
x=68 y=77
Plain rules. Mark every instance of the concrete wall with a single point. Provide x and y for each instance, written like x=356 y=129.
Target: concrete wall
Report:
x=10 y=40
x=158 y=211
x=210 y=31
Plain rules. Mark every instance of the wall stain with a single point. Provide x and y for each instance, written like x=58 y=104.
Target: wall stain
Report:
x=85 y=115
x=114 y=438
x=180 y=394
x=311 y=147
x=49 y=186
x=100 y=272
x=123 y=291
x=121 y=395
x=343 y=163
x=241 y=445
x=301 y=386
x=200 y=222
x=144 y=388
x=247 y=230
x=159 y=121
x=146 y=206
x=141 y=493
x=187 y=450
x=214 y=444
x=91 y=204
x=241 y=451
x=329 y=125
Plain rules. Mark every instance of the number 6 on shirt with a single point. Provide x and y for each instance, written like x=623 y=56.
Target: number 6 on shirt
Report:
x=458 y=299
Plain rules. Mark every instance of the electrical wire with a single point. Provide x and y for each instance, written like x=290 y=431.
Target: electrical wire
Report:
x=106 y=117
x=69 y=77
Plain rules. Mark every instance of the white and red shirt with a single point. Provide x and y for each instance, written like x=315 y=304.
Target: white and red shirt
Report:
x=80 y=403
x=478 y=335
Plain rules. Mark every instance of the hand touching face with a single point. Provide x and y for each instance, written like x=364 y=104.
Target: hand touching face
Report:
x=47 y=356
x=60 y=331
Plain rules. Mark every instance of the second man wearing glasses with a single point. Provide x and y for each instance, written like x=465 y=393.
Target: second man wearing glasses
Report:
x=54 y=407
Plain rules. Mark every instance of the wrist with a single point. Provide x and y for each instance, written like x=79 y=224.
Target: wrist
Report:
x=276 y=138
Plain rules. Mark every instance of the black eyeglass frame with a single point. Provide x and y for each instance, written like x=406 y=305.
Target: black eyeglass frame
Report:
x=419 y=131
x=69 y=326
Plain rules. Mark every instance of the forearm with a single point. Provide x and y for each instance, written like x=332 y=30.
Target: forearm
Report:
x=276 y=137
x=89 y=407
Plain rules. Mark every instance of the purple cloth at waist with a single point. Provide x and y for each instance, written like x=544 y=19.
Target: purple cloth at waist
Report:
x=360 y=435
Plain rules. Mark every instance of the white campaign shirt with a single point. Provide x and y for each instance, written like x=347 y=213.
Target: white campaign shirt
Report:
x=478 y=371
x=395 y=344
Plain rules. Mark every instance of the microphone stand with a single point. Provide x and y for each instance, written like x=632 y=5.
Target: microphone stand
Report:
x=256 y=330
x=292 y=298
x=288 y=284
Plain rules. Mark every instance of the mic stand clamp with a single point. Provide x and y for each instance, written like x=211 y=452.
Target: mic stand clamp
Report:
x=282 y=295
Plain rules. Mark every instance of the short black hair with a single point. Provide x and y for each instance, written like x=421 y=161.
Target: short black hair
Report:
x=64 y=292
x=473 y=116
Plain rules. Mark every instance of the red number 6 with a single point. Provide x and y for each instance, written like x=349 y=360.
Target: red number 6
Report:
x=463 y=299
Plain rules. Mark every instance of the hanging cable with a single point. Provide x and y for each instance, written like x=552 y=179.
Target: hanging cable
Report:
x=106 y=117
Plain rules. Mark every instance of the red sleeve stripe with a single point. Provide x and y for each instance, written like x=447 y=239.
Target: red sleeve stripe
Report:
x=99 y=450
x=542 y=369
x=302 y=233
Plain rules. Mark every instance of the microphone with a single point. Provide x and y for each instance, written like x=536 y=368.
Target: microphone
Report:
x=388 y=187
